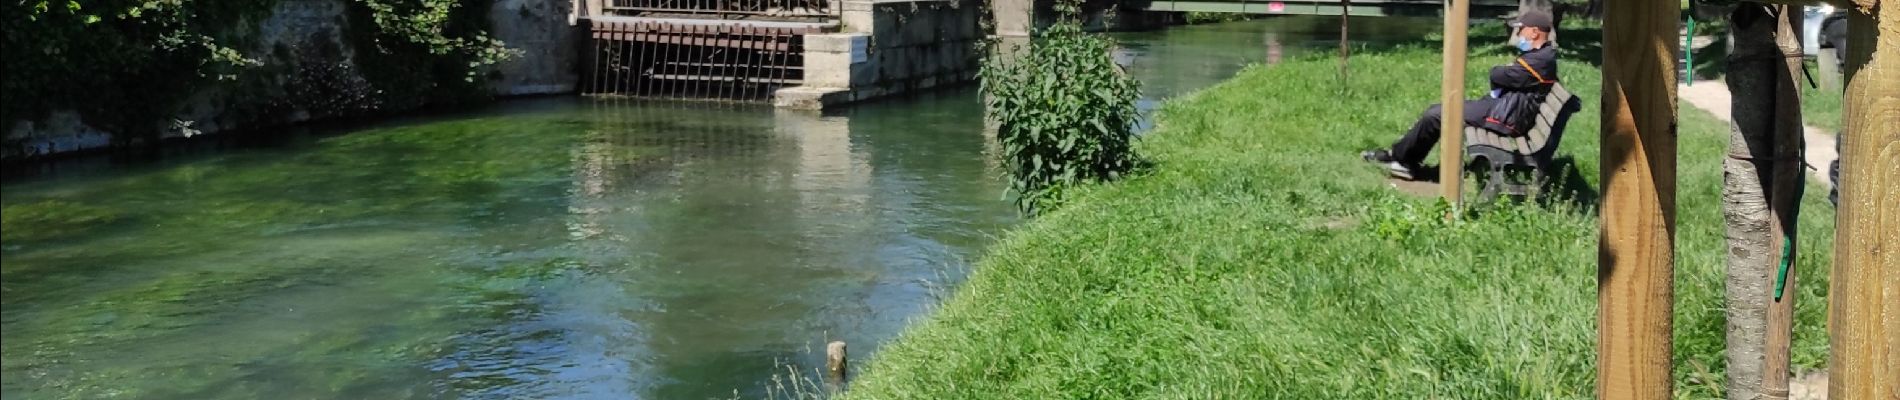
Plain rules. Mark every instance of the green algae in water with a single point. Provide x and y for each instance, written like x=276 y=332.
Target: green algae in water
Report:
x=658 y=253
x=50 y=219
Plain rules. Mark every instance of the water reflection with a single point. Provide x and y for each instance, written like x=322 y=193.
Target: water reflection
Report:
x=575 y=250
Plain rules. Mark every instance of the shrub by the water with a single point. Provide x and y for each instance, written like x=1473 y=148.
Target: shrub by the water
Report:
x=1065 y=113
x=128 y=65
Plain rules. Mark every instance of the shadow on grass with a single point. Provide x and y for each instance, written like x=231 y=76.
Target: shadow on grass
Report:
x=1566 y=185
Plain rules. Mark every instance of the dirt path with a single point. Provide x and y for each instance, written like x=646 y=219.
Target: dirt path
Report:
x=1713 y=96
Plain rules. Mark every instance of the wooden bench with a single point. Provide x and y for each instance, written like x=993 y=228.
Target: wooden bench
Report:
x=1496 y=159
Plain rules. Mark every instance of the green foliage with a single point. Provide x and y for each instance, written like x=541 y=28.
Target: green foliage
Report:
x=1821 y=107
x=128 y=65
x=425 y=52
x=1065 y=113
x=123 y=64
x=1199 y=17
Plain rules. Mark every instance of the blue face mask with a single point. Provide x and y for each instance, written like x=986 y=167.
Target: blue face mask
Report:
x=1523 y=44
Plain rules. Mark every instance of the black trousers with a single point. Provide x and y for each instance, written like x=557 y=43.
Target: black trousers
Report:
x=1412 y=148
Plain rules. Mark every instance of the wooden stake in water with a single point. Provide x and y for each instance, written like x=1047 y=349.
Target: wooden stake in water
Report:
x=835 y=365
x=1451 y=128
x=1636 y=249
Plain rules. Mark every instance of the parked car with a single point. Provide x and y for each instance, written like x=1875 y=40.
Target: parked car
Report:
x=1834 y=177
x=1828 y=32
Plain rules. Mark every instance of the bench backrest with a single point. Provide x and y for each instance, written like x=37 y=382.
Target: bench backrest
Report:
x=1552 y=116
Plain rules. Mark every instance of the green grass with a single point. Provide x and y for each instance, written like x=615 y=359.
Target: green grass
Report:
x=1261 y=258
x=1821 y=107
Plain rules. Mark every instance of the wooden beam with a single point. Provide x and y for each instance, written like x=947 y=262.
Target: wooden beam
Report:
x=1784 y=198
x=1864 y=296
x=1636 y=249
x=1451 y=128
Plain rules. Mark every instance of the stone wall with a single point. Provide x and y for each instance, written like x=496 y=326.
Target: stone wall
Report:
x=888 y=47
x=302 y=38
x=543 y=32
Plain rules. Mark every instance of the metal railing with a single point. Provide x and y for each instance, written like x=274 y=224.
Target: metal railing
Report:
x=724 y=8
x=736 y=62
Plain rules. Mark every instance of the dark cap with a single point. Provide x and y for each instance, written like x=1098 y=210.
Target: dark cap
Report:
x=1535 y=19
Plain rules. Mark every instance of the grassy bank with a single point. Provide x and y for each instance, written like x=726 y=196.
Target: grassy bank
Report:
x=1262 y=259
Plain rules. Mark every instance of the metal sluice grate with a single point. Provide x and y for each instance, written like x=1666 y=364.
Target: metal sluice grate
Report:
x=706 y=61
x=724 y=8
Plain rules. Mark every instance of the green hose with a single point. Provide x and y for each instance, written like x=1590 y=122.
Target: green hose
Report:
x=1688 y=61
x=1787 y=258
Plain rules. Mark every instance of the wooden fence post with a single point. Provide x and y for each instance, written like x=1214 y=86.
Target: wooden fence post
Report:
x=1635 y=254
x=1864 y=293
x=1451 y=128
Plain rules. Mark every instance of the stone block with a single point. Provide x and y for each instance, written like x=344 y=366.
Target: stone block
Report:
x=828 y=69
x=856 y=16
x=831 y=42
x=810 y=98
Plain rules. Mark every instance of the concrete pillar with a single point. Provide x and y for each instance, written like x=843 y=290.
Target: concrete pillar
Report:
x=1014 y=18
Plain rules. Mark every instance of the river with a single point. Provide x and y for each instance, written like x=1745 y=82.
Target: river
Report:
x=549 y=248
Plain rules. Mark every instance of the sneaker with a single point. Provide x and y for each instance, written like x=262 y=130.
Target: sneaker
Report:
x=1378 y=156
x=1392 y=164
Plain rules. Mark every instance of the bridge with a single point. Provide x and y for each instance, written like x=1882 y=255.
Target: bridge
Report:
x=1370 y=8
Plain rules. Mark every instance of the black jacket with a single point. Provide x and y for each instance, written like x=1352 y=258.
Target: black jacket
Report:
x=1521 y=85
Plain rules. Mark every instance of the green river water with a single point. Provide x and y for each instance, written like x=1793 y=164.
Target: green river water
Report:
x=552 y=248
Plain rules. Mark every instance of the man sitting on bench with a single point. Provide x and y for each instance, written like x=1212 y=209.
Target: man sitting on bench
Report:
x=1516 y=90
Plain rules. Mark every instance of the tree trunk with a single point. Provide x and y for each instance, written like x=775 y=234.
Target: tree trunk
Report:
x=1762 y=177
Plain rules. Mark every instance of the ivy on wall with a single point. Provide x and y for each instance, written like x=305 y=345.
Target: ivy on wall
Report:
x=127 y=66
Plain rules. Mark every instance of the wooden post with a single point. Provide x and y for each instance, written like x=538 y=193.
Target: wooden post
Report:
x=1345 y=13
x=1864 y=319
x=1635 y=254
x=1784 y=199
x=835 y=365
x=1451 y=128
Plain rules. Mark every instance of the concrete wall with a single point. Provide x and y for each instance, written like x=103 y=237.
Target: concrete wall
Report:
x=539 y=29
x=542 y=31
x=888 y=47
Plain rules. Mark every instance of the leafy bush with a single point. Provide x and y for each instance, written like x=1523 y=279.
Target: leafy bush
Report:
x=127 y=65
x=1065 y=113
x=1199 y=17
x=122 y=63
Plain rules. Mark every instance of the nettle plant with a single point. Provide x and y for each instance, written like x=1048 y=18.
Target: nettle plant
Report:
x=1065 y=113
